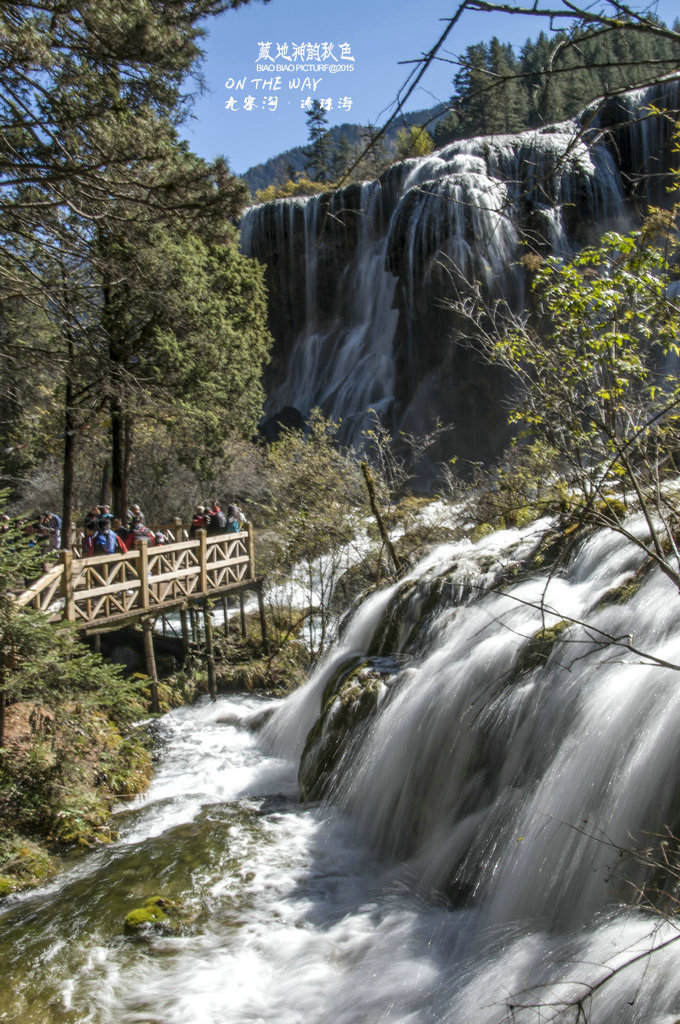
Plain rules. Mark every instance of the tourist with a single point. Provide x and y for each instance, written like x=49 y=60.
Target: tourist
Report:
x=92 y=516
x=88 y=539
x=51 y=523
x=197 y=521
x=106 y=542
x=233 y=525
x=218 y=520
x=140 y=532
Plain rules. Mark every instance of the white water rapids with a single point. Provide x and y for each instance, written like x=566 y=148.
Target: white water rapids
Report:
x=464 y=871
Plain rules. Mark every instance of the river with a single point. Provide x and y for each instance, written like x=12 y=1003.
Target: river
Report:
x=463 y=871
x=291 y=916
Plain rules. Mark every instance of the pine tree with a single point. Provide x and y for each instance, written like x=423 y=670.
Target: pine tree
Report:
x=319 y=150
x=473 y=83
x=507 y=95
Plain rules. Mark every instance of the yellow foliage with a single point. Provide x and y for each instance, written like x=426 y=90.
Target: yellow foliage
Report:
x=300 y=187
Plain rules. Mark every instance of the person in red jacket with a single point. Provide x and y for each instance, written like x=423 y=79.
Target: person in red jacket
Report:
x=139 y=531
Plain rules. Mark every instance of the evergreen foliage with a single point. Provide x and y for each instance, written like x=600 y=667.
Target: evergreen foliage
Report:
x=319 y=150
x=550 y=79
x=105 y=219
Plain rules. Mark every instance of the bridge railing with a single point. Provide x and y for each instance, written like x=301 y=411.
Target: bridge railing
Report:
x=107 y=588
x=43 y=594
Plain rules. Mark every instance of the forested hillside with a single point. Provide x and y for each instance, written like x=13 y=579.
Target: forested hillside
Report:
x=551 y=78
x=498 y=88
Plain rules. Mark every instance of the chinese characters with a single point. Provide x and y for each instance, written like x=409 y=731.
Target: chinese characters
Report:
x=291 y=67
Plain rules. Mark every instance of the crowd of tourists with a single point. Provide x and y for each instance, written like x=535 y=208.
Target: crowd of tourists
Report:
x=104 y=533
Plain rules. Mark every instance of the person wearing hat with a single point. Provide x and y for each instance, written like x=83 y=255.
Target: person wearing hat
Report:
x=198 y=521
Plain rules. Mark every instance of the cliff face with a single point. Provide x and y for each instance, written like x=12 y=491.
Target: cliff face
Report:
x=363 y=283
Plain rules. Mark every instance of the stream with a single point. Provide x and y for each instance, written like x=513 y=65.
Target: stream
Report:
x=466 y=868
x=287 y=906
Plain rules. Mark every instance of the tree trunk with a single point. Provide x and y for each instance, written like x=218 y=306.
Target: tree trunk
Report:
x=68 y=467
x=370 y=487
x=117 y=456
x=3 y=703
x=121 y=456
x=105 y=487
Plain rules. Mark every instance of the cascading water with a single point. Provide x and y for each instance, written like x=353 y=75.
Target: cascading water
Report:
x=362 y=283
x=463 y=867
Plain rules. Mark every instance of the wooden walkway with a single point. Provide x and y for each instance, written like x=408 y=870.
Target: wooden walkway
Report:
x=109 y=590
x=106 y=592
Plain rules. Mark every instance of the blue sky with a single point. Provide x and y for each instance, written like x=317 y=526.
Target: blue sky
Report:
x=247 y=115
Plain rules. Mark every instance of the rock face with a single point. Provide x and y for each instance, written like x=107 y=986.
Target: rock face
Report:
x=361 y=282
x=352 y=696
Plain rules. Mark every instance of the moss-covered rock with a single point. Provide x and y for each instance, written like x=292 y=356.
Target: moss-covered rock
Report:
x=538 y=648
x=158 y=916
x=612 y=508
x=386 y=637
x=625 y=591
x=350 y=697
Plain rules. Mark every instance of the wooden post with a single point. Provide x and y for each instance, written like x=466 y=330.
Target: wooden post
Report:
x=185 y=633
x=147 y=630
x=242 y=605
x=225 y=605
x=67 y=590
x=97 y=643
x=251 y=552
x=370 y=487
x=143 y=569
x=209 y=652
x=263 y=620
x=194 y=624
x=203 y=559
x=179 y=532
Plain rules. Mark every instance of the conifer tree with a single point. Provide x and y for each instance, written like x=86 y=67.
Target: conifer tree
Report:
x=319 y=150
x=91 y=96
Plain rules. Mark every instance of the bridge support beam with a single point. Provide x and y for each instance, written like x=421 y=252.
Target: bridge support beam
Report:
x=183 y=618
x=242 y=606
x=263 y=620
x=150 y=659
x=210 y=652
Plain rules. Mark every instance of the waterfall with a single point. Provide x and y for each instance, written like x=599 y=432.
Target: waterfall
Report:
x=487 y=754
x=516 y=752
x=362 y=282
x=341 y=359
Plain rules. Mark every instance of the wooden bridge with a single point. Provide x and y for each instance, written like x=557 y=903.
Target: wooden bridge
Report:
x=106 y=592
